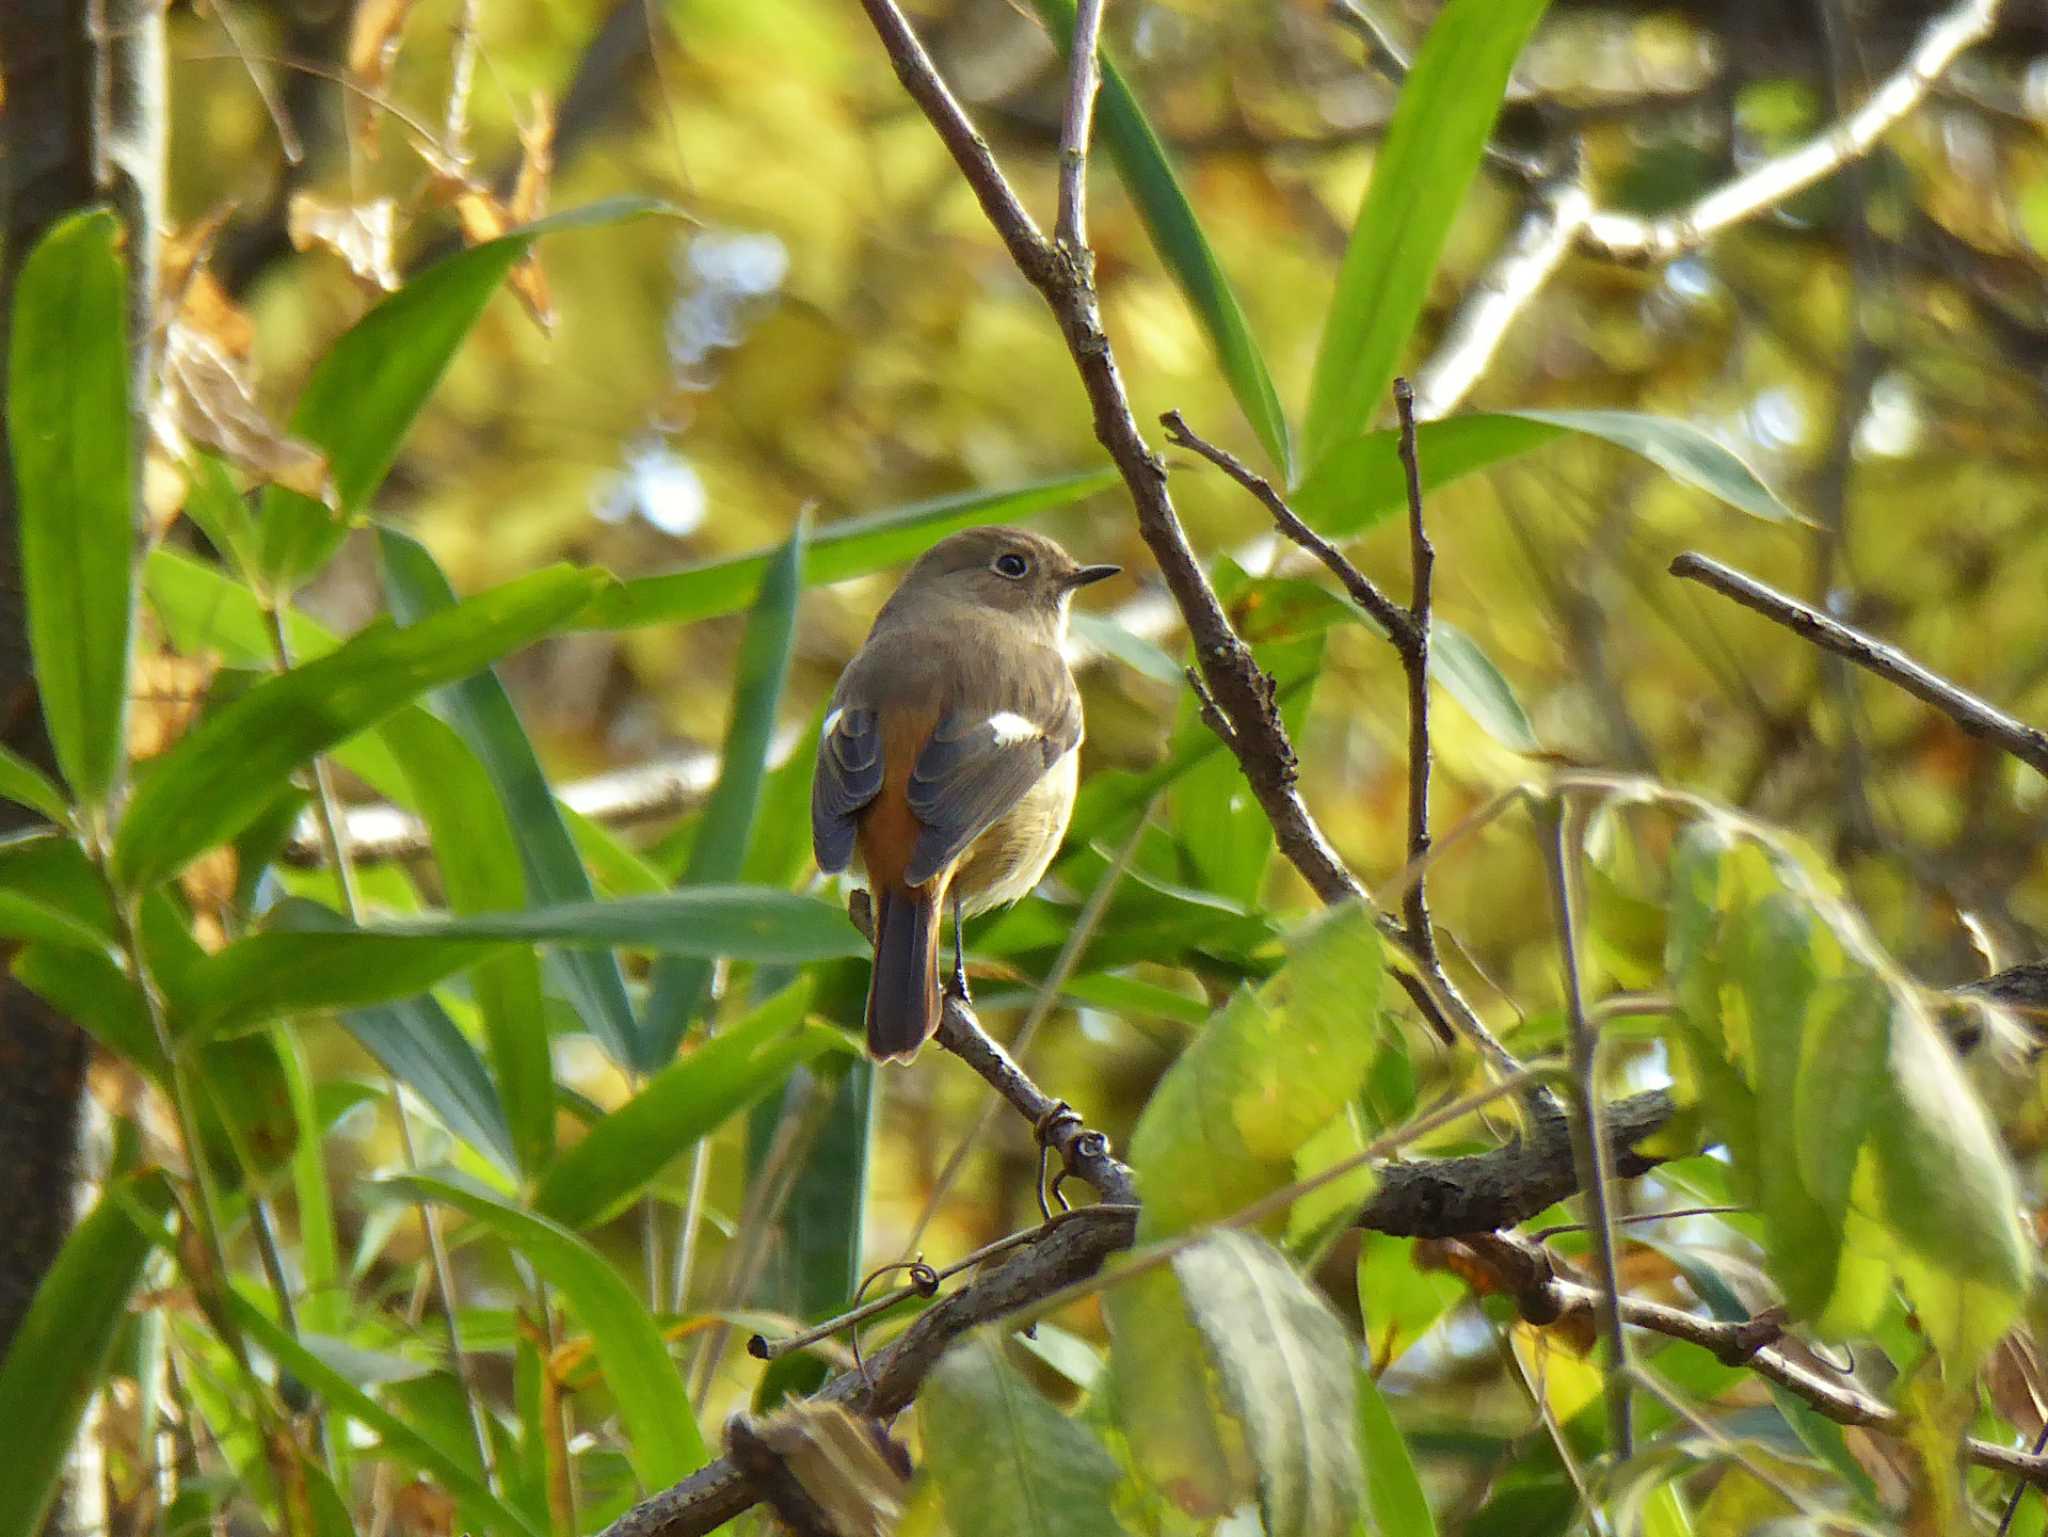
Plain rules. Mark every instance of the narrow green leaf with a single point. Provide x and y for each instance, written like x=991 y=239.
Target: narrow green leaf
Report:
x=690 y=1098
x=288 y=970
x=72 y=439
x=1263 y=1077
x=481 y=871
x=89 y=989
x=24 y=919
x=844 y=550
x=1433 y=146
x=1393 y=1489
x=661 y=1432
x=1360 y=481
x=223 y=774
x=203 y=609
x=482 y=712
x=1468 y=675
x=60 y=1350
x=400 y=1440
x=222 y=514
x=1288 y=1374
x=719 y=854
x=26 y=785
x=368 y=389
x=1006 y=1462
x=814 y=1261
x=419 y=1045
x=1169 y=218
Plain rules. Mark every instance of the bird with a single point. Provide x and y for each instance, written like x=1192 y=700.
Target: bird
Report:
x=947 y=758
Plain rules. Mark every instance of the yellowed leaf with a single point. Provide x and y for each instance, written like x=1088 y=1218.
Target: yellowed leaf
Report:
x=360 y=234
x=167 y=691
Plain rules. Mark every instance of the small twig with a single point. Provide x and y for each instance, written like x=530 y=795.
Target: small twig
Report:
x=1545 y=1234
x=1590 y=1148
x=1084 y=79
x=1385 y=612
x=2012 y=1506
x=1977 y=718
x=1544 y=1298
x=1413 y=644
x=764 y=1349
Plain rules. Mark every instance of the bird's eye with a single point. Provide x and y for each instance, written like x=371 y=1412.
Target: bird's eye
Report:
x=1013 y=565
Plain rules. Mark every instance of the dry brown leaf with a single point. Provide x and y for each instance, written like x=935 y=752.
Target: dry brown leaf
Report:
x=857 y=1476
x=483 y=215
x=208 y=884
x=2017 y=1384
x=375 y=33
x=204 y=397
x=166 y=691
x=361 y=234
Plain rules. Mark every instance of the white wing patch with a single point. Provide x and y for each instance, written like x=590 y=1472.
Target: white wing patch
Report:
x=831 y=722
x=1009 y=728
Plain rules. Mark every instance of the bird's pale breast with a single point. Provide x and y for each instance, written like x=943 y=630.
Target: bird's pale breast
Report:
x=1005 y=862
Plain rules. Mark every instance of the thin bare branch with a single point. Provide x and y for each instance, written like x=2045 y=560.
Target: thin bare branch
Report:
x=1626 y=237
x=1242 y=693
x=1530 y=1274
x=1591 y=1151
x=1514 y=277
x=1975 y=716
x=1084 y=79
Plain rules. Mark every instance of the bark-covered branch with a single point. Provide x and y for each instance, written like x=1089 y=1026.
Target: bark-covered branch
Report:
x=1975 y=716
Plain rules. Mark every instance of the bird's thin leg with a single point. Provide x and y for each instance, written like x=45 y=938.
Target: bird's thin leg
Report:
x=959 y=953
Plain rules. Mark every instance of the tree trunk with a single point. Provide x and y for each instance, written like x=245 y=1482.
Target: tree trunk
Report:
x=83 y=123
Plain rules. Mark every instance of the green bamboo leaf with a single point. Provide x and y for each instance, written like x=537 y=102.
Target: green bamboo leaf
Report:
x=223 y=774
x=483 y=714
x=222 y=513
x=1446 y=110
x=1147 y=173
x=203 y=609
x=1393 y=1489
x=719 y=854
x=813 y=1266
x=1006 y=1462
x=366 y=392
x=26 y=785
x=1361 y=482
x=844 y=550
x=1288 y=1375
x=60 y=1350
x=312 y=962
x=690 y=1098
x=27 y=921
x=1469 y=676
x=419 y=1045
x=661 y=1432
x=1267 y=1073
x=478 y=859
x=72 y=439
x=400 y=1440
x=89 y=989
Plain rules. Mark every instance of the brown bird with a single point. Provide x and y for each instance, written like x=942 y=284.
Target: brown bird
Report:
x=948 y=757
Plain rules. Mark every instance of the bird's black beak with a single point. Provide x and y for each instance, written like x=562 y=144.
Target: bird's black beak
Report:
x=1083 y=576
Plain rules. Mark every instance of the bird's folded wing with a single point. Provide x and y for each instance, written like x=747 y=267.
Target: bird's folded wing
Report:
x=976 y=767
x=849 y=775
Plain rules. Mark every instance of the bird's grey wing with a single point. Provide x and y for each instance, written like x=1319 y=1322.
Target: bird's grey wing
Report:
x=975 y=767
x=848 y=776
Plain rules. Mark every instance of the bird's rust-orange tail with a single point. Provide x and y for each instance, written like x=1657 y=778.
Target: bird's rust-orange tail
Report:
x=903 y=996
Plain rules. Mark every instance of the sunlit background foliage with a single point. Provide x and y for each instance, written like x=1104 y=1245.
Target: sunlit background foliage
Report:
x=817 y=324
